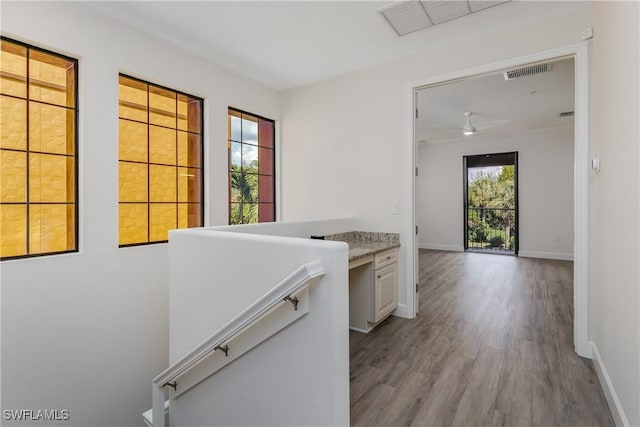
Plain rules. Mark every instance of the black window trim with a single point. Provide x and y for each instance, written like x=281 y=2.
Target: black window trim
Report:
x=274 y=175
x=75 y=156
x=202 y=162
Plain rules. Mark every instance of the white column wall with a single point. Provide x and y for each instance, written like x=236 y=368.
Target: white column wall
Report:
x=614 y=321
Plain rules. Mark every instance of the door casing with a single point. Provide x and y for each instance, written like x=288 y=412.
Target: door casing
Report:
x=580 y=53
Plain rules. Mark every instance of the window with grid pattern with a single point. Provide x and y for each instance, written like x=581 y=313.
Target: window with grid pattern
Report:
x=251 y=168
x=160 y=160
x=38 y=151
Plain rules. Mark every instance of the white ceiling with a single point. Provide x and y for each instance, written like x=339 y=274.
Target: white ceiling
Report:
x=498 y=106
x=285 y=44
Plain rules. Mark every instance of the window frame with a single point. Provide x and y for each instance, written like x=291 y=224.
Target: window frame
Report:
x=229 y=171
x=148 y=163
x=75 y=155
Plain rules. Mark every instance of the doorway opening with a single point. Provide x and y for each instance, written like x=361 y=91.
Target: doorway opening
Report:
x=490 y=186
x=579 y=53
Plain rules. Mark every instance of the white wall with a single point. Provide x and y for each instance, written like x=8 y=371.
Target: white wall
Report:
x=300 y=376
x=346 y=147
x=615 y=227
x=347 y=141
x=545 y=190
x=87 y=332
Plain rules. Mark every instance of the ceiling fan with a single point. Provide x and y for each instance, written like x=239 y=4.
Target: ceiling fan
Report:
x=470 y=129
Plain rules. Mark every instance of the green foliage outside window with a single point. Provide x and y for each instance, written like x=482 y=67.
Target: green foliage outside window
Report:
x=251 y=145
x=244 y=189
x=491 y=213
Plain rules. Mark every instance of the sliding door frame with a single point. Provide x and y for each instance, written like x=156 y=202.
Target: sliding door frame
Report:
x=465 y=197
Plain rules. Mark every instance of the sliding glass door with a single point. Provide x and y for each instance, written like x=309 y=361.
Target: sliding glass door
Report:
x=491 y=203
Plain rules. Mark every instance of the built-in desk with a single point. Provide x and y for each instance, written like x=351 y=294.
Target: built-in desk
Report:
x=373 y=277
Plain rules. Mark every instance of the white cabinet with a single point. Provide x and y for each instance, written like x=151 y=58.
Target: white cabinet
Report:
x=373 y=289
x=385 y=292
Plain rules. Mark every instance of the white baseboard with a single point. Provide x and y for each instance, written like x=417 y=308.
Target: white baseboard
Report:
x=401 y=311
x=546 y=255
x=439 y=247
x=607 y=386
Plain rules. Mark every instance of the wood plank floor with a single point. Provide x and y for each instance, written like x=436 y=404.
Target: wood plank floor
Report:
x=492 y=346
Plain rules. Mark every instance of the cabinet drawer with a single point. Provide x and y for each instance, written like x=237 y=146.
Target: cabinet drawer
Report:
x=385 y=258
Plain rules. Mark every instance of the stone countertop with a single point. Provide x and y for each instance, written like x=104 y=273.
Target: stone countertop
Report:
x=363 y=243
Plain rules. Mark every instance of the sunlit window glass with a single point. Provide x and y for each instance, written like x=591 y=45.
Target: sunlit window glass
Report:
x=38 y=151
x=251 y=168
x=160 y=162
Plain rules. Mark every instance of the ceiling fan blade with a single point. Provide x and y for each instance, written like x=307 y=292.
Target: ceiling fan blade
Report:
x=491 y=124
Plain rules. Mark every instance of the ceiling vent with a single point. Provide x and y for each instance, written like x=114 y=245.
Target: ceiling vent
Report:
x=406 y=17
x=527 y=71
x=568 y=114
x=409 y=16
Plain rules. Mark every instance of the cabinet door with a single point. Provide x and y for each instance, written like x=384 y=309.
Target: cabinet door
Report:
x=385 y=293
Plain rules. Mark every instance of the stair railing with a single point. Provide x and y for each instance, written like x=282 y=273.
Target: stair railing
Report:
x=283 y=293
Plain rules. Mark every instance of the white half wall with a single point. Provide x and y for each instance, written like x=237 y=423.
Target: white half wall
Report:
x=87 y=332
x=545 y=188
x=614 y=253
x=300 y=376
x=304 y=229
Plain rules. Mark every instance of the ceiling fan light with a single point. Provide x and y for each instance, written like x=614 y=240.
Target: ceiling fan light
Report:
x=468 y=128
